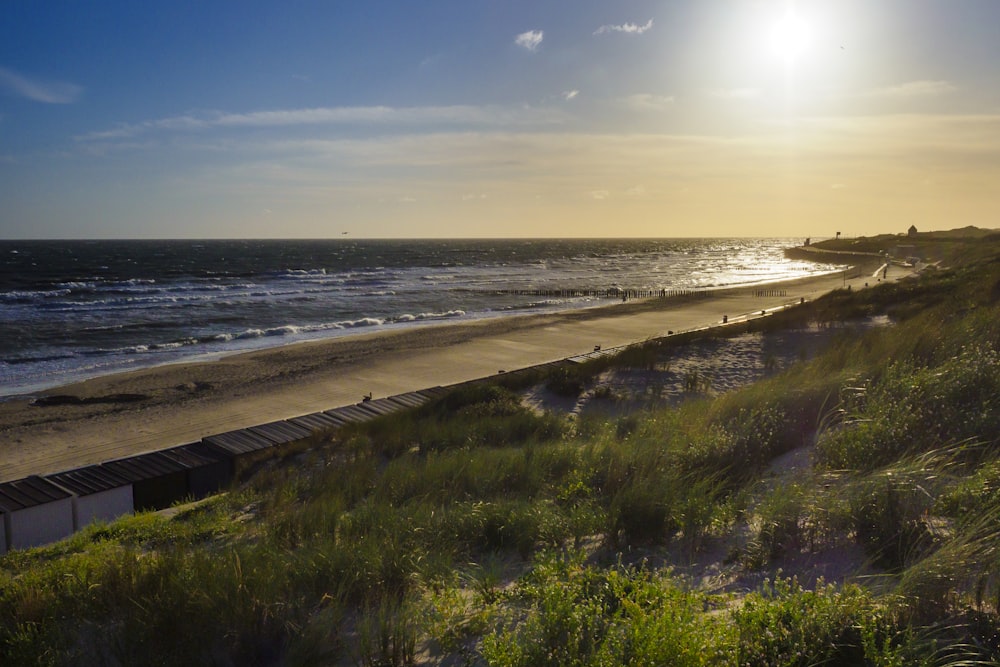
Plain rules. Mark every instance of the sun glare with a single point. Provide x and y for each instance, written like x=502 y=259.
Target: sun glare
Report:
x=789 y=38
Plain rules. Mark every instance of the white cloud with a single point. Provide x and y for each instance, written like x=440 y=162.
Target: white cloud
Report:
x=557 y=168
x=924 y=88
x=628 y=28
x=287 y=117
x=736 y=93
x=530 y=40
x=375 y=115
x=104 y=147
x=570 y=94
x=431 y=60
x=50 y=92
x=649 y=102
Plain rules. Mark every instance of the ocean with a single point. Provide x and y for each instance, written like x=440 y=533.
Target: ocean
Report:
x=71 y=310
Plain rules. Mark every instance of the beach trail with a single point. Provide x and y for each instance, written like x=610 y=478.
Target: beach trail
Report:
x=129 y=413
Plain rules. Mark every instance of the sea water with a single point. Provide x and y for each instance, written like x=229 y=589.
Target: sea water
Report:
x=70 y=310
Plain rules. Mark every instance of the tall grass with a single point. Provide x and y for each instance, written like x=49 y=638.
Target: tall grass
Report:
x=476 y=416
x=913 y=408
x=479 y=530
x=572 y=614
x=785 y=624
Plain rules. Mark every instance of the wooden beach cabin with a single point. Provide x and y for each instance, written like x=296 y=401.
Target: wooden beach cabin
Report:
x=396 y=403
x=247 y=446
x=282 y=433
x=241 y=448
x=354 y=414
x=206 y=471
x=98 y=494
x=379 y=406
x=318 y=422
x=413 y=399
x=35 y=512
x=158 y=481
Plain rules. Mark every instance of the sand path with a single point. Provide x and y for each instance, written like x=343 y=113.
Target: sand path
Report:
x=184 y=402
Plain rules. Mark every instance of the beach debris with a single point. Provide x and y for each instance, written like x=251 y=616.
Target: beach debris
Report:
x=69 y=399
x=192 y=387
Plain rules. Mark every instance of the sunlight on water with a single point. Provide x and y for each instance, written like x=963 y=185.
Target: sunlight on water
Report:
x=77 y=309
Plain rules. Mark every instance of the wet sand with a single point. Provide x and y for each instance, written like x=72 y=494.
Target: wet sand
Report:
x=129 y=413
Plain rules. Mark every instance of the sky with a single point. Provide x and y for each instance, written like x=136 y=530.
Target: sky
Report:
x=497 y=118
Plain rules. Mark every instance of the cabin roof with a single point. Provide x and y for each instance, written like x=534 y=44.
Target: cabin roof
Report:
x=144 y=466
x=410 y=400
x=194 y=455
x=281 y=432
x=240 y=441
x=29 y=492
x=88 y=480
x=352 y=413
x=317 y=421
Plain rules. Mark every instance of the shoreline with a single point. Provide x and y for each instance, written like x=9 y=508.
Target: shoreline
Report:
x=38 y=387
x=152 y=408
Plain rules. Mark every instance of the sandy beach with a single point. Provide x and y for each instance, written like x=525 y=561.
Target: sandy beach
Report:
x=129 y=413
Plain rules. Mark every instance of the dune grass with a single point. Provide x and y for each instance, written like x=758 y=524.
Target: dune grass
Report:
x=477 y=531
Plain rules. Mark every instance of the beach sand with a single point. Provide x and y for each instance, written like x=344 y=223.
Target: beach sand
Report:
x=128 y=413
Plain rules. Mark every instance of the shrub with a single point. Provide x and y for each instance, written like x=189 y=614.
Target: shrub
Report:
x=912 y=409
x=973 y=496
x=387 y=635
x=781 y=517
x=699 y=506
x=569 y=381
x=738 y=447
x=642 y=512
x=888 y=516
x=788 y=626
x=500 y=526
x=577 y=615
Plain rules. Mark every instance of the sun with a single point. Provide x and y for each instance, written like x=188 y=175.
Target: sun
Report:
x=789 y=38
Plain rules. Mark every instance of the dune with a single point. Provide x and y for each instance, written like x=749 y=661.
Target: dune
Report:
x=128 y=413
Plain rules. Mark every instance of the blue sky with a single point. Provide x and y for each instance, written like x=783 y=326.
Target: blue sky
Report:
x=497 y=118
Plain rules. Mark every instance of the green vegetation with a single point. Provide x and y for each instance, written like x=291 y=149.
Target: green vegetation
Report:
x=477 y=531
x=969 y=244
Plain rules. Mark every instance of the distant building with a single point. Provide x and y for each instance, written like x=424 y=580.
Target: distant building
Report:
x=912 y=231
